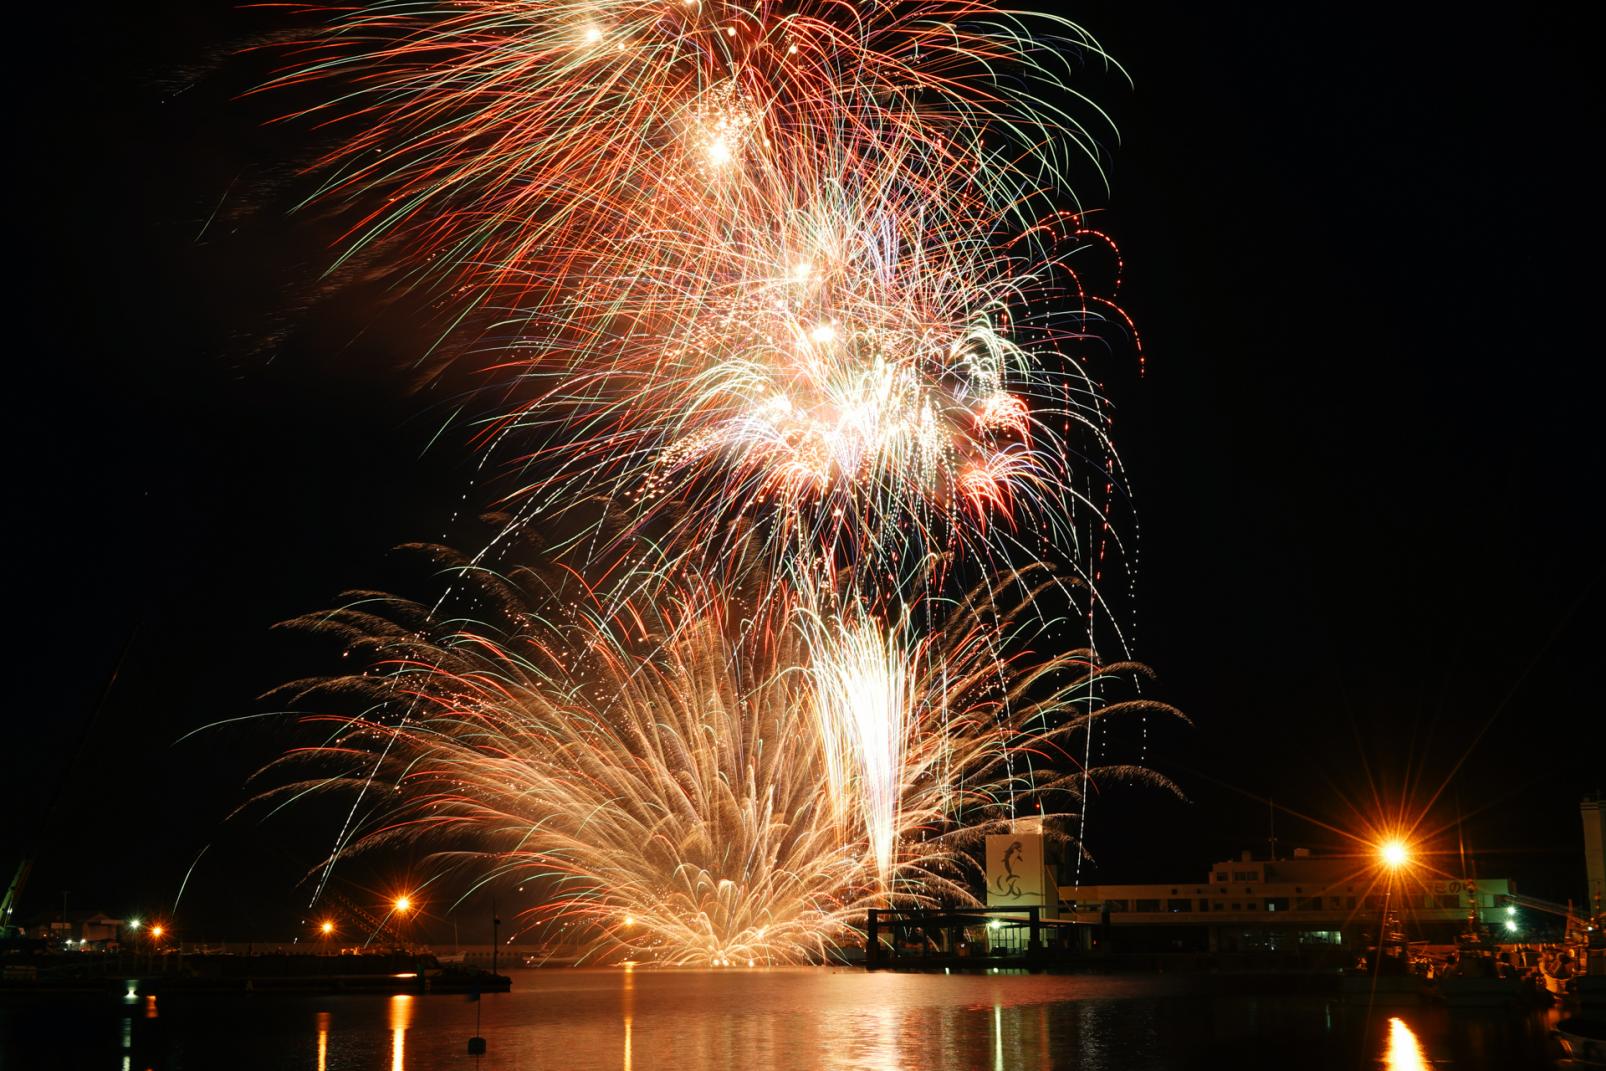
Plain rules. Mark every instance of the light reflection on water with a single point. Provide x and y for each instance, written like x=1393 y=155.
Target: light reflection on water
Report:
x=790 y=1020
x=628 y=1005
x=401 y=1017
x=1404 y=1052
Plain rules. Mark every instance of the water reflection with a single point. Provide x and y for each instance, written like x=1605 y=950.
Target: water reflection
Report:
x=602 y=1020
x=628 y=1003
x=323 y=1041
x=1404 y=1050
x=401 y=1017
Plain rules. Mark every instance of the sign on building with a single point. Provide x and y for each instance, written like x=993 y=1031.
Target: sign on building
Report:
x=1016 y=875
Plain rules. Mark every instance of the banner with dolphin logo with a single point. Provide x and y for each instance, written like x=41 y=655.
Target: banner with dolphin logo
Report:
x=1015 y=875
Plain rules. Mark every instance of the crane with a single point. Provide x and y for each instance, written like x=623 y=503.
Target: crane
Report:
x=8 y=906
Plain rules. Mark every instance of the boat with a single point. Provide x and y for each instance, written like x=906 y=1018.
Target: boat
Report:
x=1582 y=1041
x=1477 y=977
x=1386 y=973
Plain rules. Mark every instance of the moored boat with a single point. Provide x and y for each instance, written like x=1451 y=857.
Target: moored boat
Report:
x=1582 y=1041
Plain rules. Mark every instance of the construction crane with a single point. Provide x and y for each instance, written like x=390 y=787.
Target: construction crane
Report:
x=9 y=931
x=377 y=927
x=19 y=881
x=1575 y=920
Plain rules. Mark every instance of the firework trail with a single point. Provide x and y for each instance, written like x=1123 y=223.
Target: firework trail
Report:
x=666 y=765
x=849 y=399
x=496 y=142
x=781 y=295
x=796 y=265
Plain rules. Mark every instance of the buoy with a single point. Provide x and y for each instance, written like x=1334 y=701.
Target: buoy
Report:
x=476 y=1046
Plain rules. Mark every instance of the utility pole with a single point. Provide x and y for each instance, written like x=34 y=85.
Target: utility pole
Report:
x=496 y=929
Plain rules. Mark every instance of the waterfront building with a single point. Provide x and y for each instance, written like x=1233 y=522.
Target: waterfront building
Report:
x=83 y=928
x=1266 y=905
x=1593 y=810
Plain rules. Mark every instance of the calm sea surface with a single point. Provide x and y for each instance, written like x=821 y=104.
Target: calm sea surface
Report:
x=785 y=1019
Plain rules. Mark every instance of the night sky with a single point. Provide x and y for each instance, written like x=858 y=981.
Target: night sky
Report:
x=1362 y=246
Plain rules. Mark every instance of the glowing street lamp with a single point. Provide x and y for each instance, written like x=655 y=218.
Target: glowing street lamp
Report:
x=326 y=928
x=402 y=906
x=1394 y=853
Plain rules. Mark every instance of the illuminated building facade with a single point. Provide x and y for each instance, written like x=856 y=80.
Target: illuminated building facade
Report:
x=1593 y=810
x=1258 y=905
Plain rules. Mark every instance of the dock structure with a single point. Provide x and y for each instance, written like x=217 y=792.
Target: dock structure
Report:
x=979 y=938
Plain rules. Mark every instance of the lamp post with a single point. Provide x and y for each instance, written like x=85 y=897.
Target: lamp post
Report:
x=402 y=906
x=1394 y=855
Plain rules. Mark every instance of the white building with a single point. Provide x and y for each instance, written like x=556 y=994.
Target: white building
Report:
x=1252 y=904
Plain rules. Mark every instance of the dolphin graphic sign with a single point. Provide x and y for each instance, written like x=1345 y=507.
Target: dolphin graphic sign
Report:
x=1015 y=875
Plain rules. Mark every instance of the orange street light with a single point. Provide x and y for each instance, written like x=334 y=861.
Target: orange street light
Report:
x=327 y=928
x=156 y=931
x=1394 y=853
x=404 y=904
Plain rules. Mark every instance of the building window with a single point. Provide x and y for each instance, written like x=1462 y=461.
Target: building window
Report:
x=1179 y=905
x=1145 y=905
x=1115 y=905
x=1349 y=902
x=1237 y=907
x=1204 y=905
x=1309 y=903
x=1221 y=875
x=1450 y=899
x=1276 y=903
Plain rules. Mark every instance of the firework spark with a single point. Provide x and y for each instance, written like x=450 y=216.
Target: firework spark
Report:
x=784 y=287
x=501 y=144
x=666 y=765
x=774 y=293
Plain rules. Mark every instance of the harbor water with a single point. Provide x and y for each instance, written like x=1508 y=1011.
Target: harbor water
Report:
x=641 y=1020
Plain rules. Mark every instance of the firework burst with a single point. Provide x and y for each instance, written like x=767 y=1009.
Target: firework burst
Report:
x=773 y=287
x=666 y=764
x=504 y=146
x=778 y=294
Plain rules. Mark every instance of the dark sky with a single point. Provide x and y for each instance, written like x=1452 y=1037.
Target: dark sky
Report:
x=1362 y=246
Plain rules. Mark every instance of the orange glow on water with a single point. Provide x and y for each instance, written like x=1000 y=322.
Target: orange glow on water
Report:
x=1404 y=1051
x=401 y=1017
